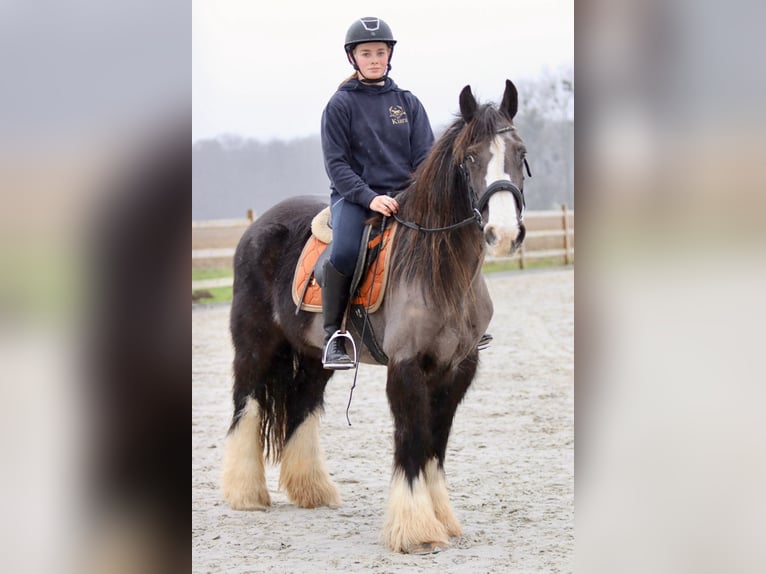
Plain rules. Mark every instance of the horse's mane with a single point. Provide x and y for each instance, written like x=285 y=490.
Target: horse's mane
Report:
x=439 y=197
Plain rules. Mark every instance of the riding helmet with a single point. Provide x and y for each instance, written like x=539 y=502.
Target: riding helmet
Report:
x=368 y=30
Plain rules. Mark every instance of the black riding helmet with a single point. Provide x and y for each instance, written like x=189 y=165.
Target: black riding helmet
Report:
x=369 y=29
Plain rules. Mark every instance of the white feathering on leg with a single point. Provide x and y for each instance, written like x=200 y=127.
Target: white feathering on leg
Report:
x=437 y=488
x=303 y=474
x=243 y=479
x=410 y=519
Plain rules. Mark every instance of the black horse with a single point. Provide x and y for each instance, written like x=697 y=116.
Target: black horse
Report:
x=467 y=193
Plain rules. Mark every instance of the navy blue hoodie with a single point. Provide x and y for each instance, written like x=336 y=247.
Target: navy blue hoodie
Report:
x=373 y=138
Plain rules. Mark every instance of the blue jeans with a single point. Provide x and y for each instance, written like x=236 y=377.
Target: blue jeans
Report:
x=347 y=227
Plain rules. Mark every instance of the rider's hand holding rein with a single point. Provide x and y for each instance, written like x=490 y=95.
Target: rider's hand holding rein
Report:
x=385 y=205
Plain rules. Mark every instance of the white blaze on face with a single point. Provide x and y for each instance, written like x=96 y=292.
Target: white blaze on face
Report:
x=502 y=205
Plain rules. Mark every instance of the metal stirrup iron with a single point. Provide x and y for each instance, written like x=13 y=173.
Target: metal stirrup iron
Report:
x=339 y=366
x=484 y=342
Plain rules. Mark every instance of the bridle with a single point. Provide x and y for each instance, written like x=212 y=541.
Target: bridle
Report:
x=478 y=204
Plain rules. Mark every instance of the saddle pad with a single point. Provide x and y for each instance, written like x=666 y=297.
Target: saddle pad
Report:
x=304 y=272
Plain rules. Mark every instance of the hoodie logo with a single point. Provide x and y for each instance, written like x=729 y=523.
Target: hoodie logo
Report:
x=397 y=115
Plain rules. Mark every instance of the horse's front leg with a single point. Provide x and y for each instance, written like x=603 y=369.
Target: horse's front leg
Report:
x=411 y=524
x=446 y=395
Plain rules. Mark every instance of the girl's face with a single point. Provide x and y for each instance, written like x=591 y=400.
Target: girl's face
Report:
x=372 y=59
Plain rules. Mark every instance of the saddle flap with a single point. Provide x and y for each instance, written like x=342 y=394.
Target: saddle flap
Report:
x=306 y=288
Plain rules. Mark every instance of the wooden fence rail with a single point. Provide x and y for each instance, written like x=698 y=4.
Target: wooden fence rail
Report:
x=556 y=225
x=550 y=235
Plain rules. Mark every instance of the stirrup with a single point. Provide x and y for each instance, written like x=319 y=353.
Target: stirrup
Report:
x=484 y=342
x=339 y=366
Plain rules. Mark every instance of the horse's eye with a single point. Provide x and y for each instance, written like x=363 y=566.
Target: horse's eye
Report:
x=470 y=158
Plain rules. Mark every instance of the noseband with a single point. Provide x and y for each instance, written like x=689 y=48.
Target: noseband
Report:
x=478 y=204
x=499 y=185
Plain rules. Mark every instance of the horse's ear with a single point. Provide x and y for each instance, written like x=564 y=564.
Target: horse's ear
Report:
x=467 y=104
x=510 y=100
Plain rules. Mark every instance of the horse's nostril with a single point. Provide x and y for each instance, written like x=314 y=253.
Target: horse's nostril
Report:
x=490 y=236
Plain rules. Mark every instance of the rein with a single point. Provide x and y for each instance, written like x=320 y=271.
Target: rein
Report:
x=475 y=218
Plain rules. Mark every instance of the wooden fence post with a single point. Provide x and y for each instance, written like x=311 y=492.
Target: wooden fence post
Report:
x=521 y=256
x=250 y=215
x=565 y=226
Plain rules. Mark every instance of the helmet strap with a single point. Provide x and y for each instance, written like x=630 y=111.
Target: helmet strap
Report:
x=368 y=82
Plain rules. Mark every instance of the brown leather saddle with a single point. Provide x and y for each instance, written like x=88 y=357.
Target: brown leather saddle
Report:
x=369 y=281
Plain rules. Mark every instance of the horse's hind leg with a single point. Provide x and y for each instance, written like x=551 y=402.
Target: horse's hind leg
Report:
x=244 y=480
x=302 y=473
x=446 y=395
x=411 y=523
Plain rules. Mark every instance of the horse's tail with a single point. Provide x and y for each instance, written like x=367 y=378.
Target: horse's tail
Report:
x=263 y=371
x=271 y=392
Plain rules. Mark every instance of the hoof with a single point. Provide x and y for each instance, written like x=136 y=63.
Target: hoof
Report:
x=426 y=548
x=247 y=499
x=250 y=507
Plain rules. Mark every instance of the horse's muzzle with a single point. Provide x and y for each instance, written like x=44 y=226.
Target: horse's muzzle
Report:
x=504 y=241
x=504 y=232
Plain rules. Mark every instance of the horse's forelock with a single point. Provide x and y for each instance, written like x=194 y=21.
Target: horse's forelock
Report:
x=482 y=128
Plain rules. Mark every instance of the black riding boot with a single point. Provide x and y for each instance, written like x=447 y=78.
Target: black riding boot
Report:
x=335 y=295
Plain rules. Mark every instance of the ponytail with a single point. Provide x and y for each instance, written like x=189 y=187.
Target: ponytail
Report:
x=347 y=80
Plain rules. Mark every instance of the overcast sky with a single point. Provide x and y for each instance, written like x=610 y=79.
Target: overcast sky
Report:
x=266 y=69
